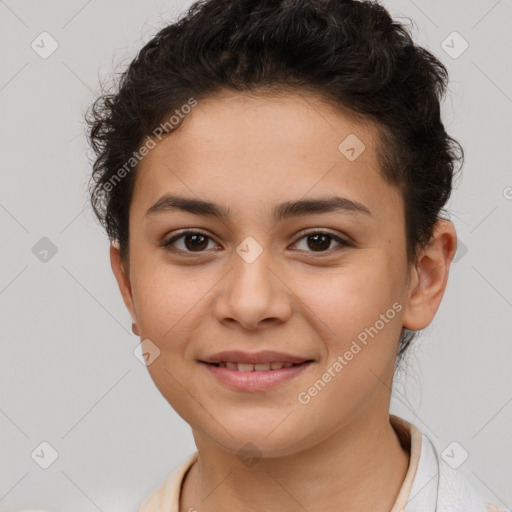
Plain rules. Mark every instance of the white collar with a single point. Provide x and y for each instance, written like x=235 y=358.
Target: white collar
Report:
x=437 y=487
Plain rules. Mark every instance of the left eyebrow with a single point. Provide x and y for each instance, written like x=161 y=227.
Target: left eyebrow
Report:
x=169 y=203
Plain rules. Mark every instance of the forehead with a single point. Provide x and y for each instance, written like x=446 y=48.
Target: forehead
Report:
x=251 y=152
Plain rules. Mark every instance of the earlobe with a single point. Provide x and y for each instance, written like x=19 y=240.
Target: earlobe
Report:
x=430 y=276
x=123 y=281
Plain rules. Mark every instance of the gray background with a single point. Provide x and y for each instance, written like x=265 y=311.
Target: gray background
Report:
x=68 y=373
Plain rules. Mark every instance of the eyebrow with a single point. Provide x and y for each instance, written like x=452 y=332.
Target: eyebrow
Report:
x=169 y=203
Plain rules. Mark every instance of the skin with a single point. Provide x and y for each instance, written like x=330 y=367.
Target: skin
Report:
x=250 y=153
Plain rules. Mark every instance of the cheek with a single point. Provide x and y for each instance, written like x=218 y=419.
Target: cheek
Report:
x=350 y=297
x=166 y=298
x=167 y=308
x=356 y=310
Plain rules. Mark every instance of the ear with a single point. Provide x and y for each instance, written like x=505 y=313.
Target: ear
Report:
x=429 y=277
x=123 y=281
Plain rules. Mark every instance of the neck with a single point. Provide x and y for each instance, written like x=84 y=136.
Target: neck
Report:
x=361 y=467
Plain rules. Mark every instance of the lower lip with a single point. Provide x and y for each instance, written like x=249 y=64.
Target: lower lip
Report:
x=255 y=381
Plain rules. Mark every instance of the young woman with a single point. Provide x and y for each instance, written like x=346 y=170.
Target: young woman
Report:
x=272 y=176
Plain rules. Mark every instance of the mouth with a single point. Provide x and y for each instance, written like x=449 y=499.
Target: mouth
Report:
x=258 y=367
x=248 y=377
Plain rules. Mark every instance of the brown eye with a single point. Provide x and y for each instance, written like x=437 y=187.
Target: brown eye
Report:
x=189 y=241
x=320 y=241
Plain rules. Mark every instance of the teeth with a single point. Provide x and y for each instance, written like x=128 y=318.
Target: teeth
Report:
x=260 y=367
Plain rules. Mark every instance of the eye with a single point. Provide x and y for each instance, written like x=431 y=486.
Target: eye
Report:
x=320 y=241
x=193 y=241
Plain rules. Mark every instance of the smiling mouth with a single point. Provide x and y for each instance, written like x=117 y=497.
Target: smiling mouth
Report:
x=255 y=377
x=260 y=367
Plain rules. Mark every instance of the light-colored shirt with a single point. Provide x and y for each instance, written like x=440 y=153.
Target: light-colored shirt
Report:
x=430 y=484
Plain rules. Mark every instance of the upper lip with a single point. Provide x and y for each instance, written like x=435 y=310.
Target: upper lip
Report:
x=266 y=356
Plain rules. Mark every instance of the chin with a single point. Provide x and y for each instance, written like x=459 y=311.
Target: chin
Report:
x=261 y=439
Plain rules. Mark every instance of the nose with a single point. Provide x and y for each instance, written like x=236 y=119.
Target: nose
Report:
x=253 y=294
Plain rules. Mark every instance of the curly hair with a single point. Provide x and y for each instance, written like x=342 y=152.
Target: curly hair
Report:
x=352 y=53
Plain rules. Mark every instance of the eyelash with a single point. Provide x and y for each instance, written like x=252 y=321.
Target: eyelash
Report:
x=167 y=245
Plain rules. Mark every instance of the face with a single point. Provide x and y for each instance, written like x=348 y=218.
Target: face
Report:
x=325 y=281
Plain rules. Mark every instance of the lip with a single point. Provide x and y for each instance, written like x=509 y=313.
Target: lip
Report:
x=255 y=380
x=265 y=356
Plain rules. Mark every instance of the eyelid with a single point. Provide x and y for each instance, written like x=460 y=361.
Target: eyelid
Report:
x=321 y=231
